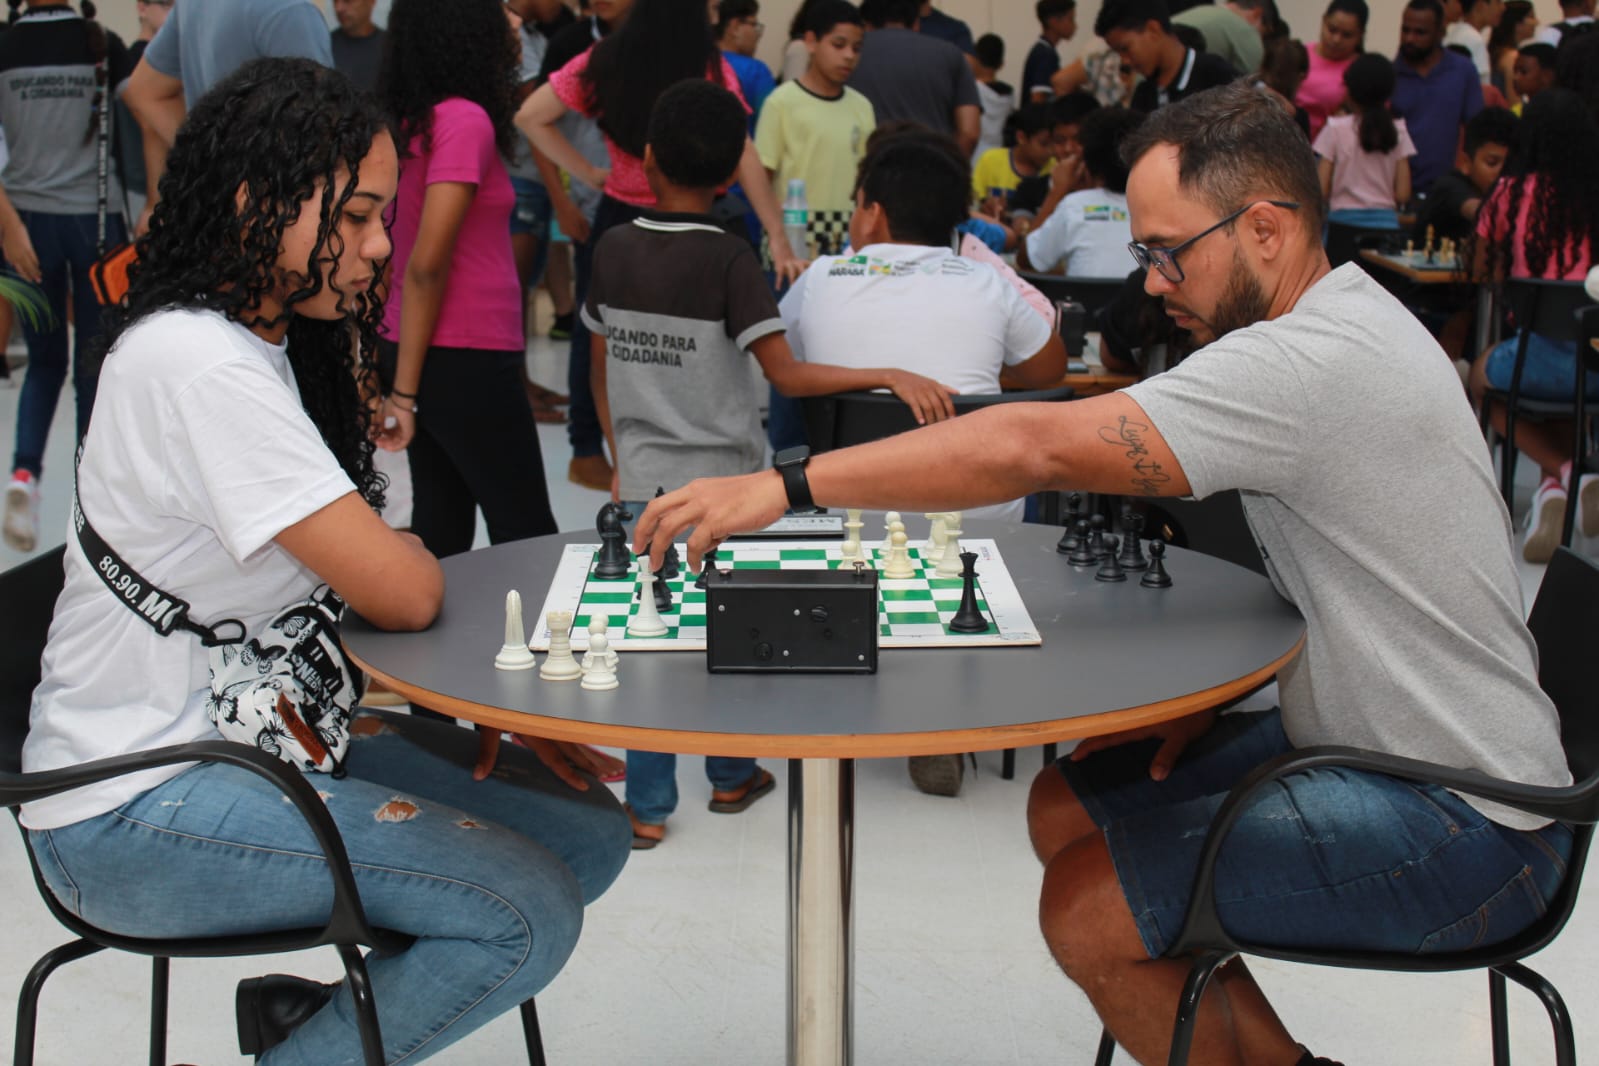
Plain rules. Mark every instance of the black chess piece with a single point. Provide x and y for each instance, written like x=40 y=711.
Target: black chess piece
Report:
x=613 y=559
x=1132 y=551
x=1156 y=577
x=1110 y=569
x=1074 y=512
x=707 y=564
x=663 y=594
x=968 y=619
x=1083 y=554
x=1109 y=546
x=1068 y=540
x=1096 y=535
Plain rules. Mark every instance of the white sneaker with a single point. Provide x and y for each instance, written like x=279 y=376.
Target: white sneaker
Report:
x=1548 y=510
x=1588 y=505
x=21 y=526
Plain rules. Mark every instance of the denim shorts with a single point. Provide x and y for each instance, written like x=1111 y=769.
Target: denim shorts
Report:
x=1549 y=373
x=533 y=211
x=1331 y=858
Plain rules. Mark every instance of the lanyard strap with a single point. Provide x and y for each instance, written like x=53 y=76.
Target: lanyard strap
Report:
x=161 y=610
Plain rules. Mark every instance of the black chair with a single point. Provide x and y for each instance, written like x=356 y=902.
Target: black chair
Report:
x=1582 y=451
x=1092 y=293
x=1549 y=308
x=1563 y=622
x=29 y=593
x=845 y=418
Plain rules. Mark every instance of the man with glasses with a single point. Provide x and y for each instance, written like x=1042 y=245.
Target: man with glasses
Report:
x=1341 y=420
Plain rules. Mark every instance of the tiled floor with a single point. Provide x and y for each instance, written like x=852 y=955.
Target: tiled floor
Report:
x=682 y=962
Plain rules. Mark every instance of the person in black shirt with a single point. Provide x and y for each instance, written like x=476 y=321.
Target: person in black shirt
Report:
x=1450 y=209
x=1140 y=32
x=357 y=43
x=1057 y=22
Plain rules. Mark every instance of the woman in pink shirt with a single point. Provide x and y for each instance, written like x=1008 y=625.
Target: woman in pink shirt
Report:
x=1544 y=223
x=453 y=349
x=1343 y=37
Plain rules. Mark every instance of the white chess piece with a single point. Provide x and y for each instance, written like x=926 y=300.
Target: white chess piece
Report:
x=514 y=655
x=599 y=626
x=935 y=535
x=899 y=564
x=599 y=674
x=851 y=549
x=647 y=622
x=949 y=563
x=560 y=665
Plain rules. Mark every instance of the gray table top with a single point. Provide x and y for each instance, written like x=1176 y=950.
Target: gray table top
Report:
x=1113 y=656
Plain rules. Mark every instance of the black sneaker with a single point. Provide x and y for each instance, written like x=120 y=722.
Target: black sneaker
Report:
x=561 y=328
x=937 y=775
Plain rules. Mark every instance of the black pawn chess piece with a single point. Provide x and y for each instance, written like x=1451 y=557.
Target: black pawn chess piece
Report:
x=1110 y=569
x=1109 y=546
x=968 y=619
x=1132 y=551
x=707 y=564
x=1068 y=540
x=1156 y=577
x=1096 y=535
x=613 y=559
x=1083 y=554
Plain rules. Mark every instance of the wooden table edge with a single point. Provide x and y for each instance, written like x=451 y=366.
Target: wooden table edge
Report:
x=835 y=746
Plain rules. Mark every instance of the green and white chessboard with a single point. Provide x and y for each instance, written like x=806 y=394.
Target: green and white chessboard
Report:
x=912 y=613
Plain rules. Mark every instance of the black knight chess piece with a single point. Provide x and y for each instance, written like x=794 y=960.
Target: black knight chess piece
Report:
x=613 y=560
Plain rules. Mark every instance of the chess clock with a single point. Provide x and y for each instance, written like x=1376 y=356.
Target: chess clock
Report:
x=794 y=621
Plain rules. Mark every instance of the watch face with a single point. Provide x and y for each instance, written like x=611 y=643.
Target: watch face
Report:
x=791 y=456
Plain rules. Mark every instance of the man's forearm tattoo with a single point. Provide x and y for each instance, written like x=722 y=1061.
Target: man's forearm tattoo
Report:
x=1147 y=475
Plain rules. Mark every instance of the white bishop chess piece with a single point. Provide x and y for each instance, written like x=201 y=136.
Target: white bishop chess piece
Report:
x=514 y=654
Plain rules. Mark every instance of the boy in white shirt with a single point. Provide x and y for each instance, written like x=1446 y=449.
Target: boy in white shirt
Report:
x=1085 y=233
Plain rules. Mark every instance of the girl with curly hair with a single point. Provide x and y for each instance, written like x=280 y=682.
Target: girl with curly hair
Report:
x=453 y=347
x=230 y=460
x=1544 y=223
x=58 y=71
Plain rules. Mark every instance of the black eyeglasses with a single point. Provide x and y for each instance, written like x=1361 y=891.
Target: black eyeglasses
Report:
x=1165 y=259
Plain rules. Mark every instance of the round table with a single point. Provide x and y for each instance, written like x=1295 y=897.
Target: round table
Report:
x=1114 y=656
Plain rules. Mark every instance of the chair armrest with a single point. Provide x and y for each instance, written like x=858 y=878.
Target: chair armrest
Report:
x=1202 y=927
x=347 y=922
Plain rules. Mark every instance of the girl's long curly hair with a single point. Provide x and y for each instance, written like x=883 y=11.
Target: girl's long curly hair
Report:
x=1559 y=141
x=277 y=133
x=436 y=49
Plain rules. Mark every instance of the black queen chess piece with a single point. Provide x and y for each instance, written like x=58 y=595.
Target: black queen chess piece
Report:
x=613 y=559
x=968 y=619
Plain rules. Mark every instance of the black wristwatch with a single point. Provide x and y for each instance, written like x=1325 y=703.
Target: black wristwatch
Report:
x=790 y=462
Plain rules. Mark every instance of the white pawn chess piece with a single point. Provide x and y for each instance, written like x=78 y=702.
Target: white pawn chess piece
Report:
x=888 y=526
x=949 y=563
x=599 y=626
x=514 y=655
x=647 y=622
x=560 y=665
x=899 y=564
x=599 y=675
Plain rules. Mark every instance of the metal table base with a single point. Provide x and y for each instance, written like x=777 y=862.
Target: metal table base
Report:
x=821 y=927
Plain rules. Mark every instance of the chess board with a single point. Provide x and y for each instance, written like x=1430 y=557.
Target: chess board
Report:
x=1417 y=260
x=912 y=613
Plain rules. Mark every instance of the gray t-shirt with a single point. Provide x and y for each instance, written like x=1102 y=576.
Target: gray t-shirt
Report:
x=1368 y=488
x=679 y=301
x=910 y=76
x=203 y=41
x=358 y=58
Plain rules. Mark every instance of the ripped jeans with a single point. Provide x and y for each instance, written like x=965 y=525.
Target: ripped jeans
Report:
x=491 y=877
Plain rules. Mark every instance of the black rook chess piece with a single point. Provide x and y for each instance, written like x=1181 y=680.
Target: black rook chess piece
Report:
x=613 y=559
x=968 y=619
x=1083 y=553
x=1132 y=551
x=1156 y=577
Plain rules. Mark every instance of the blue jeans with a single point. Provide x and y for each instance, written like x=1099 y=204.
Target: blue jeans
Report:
x=652 y=775
x=1366 y=217
x=1323 y=859
x=532 y=215
x=65 y=245
x=491 y=877
x=1550 y=372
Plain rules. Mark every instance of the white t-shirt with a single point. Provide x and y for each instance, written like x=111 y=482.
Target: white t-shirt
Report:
x=1471 y=39
x=199 y=454
x=918 y=308
x=1089 y=230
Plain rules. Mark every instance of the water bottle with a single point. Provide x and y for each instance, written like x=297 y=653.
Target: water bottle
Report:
x=796 y=218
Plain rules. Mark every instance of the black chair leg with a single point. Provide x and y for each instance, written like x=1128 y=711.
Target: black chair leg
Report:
x=32 y=985
x=160 y=972
x=1049 y=754
x=1499 y=1018
x=530 y=1031
x=1559 y=1016
x=1007 y=765
x=1107 y=1048
x=366 y=1011
x=1188 y=1006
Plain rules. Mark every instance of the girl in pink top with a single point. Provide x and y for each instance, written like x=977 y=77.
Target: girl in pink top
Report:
x=617 y=83
x=453 y=350
x=1544 y=224
x=1364 y=157
x=1343 y=36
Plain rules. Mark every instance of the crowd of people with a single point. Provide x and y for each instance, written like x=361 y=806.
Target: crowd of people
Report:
x=337 y=234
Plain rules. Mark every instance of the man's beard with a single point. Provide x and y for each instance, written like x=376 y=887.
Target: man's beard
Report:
x=1243 y=303
x=1413 y=55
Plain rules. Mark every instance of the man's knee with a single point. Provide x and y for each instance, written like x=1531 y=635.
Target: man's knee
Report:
x=1082 y=913
x=1055 y=816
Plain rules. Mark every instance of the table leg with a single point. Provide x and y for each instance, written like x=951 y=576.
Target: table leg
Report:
x=821 y=929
